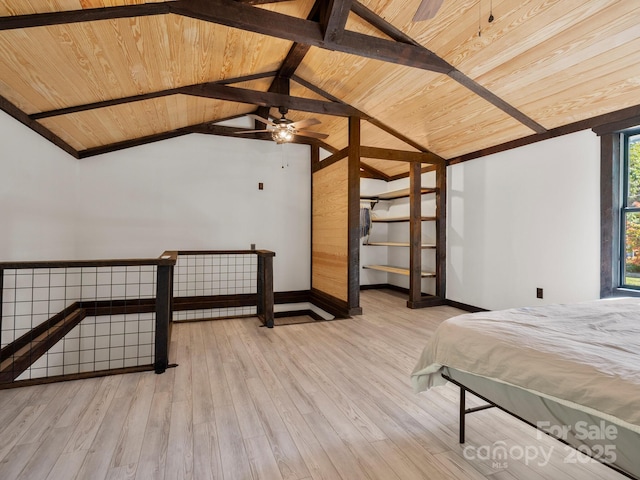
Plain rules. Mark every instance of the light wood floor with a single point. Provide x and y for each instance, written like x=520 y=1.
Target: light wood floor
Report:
x=328 y=400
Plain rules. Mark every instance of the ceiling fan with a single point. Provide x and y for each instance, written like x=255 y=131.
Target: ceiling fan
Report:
x=284 y=129
x=427 y=10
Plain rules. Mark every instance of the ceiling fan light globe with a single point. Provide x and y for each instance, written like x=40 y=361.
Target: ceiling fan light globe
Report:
x=282 y=135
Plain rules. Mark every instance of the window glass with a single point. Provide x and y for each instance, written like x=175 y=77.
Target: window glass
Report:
x=631 y=213
x=633 y=177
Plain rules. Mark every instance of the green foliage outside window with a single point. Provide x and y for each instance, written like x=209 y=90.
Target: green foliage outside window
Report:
x=632 y=233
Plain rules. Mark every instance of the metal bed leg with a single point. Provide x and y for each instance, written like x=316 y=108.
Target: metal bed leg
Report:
x=463 y=412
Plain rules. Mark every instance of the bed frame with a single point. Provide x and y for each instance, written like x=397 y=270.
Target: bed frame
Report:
x=463 y=411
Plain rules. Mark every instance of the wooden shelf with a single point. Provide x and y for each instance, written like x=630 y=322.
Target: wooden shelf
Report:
x=400 y=219
x=397 y=270
x=397 y=244
x=393 y=195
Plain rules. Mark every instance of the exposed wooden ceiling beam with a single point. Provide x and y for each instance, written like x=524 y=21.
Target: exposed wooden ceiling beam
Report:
x=144 y=96
x=270 y=99
x=245 y=17
x=134 y=142
x=212 y=129
x=380 y=24
x=370 y=172
x=399 y=155
x=315 y=89
x=625 y=118
x=293 y=60
x=207 y=128
x=261 y=2
x=617 y=121
x=496 y=101
x=373 y=121
x=289 y=65
x=23 y=118
x=84 y=15
x=404 y=138
x=398 y=35
x=403 y=51
x=334 y=19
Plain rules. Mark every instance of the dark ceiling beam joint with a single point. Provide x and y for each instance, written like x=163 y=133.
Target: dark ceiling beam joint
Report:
x=287 y=69
x=270 y=99
x=334 y=14
x=399 y=155
x=245 y=17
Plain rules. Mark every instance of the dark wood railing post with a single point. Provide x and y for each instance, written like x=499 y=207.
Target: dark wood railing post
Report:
x=164 y=290
x=265 y=287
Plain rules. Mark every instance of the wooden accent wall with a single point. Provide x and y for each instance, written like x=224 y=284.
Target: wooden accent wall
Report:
x=329 y=246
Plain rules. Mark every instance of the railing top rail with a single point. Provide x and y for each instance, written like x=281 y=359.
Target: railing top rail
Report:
x=224 y=252
x=168 y=257
x=127 y=262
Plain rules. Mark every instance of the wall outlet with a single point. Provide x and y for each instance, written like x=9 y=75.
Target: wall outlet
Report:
x=253 y=246
x=539 y=293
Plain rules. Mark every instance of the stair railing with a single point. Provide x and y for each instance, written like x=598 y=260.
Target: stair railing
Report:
x=62 y=320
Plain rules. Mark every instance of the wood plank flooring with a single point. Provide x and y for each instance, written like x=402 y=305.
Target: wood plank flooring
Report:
x=326 y=400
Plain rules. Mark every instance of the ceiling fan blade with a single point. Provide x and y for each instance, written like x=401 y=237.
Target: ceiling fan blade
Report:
x=260 y=119
x=254 y=131
x=427 y=10
x=306 y=123
x=311 y=134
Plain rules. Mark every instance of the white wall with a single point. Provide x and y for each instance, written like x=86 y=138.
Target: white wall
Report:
x=37 y=196
x=191 y=192
x=523 y=219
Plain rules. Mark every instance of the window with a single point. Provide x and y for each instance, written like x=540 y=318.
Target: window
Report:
x=630 y=211
x=620 y=207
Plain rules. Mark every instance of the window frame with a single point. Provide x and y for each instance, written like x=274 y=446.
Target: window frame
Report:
x=624 y=206
x=613 y=190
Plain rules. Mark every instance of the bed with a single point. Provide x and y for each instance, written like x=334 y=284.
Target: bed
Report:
x=572 y=371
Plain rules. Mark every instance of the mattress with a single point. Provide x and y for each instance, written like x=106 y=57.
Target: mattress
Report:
x=570 y=365
x=585 y=356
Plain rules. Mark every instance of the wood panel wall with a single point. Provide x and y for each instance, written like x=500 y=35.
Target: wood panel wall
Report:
x=329 y=246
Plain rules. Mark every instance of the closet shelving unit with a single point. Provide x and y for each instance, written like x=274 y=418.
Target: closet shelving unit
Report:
x=416 y=298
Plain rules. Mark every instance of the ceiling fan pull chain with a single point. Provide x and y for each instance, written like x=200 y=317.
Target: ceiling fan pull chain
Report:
x=490 y=11
x=479 y=18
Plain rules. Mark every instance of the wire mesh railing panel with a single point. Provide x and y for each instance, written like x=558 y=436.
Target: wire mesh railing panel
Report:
x=68 y=320
x=99 y=343
x=220 y=284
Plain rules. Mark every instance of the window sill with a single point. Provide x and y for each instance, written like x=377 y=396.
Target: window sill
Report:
x=625 y=292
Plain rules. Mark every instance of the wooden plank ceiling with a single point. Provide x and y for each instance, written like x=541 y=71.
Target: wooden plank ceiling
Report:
x=95 y=76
